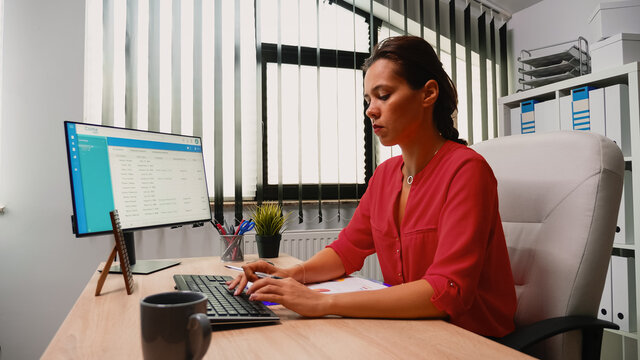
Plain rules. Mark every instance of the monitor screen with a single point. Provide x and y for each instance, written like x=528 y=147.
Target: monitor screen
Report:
x=153 y=179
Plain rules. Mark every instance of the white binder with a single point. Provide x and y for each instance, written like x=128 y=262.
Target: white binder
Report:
x=566 y=116
x=624 y=226
x=596 y=111
x=604 y=311
x=623 y=292
x=616 y=98
x=547 y=116
x=515 y=121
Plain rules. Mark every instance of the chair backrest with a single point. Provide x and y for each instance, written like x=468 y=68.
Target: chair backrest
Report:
x=559 y=197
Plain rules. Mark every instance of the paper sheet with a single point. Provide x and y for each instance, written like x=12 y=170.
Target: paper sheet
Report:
x=345 y=285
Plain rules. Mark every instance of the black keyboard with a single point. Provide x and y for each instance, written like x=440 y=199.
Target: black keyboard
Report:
x=223 y=307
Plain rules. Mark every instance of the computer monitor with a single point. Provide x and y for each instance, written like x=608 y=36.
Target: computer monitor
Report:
x=153 y=179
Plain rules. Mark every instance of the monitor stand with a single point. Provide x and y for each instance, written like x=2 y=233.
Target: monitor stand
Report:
x=141 y=267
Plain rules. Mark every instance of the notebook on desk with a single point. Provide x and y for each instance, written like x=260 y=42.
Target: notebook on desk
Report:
x=224 y=308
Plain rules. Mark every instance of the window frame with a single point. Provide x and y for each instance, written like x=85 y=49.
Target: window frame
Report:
x=329 y=58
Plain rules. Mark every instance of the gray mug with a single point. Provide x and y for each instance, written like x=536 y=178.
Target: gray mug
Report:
x=174 y=325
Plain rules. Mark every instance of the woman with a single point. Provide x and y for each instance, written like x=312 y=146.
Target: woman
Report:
x=431 y=214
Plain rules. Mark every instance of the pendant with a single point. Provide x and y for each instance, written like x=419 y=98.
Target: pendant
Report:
x=409 y=179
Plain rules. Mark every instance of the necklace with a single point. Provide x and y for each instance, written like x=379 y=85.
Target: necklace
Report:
x=410 y=177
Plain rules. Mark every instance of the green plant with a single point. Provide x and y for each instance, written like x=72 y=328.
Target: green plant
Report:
x=269 y=219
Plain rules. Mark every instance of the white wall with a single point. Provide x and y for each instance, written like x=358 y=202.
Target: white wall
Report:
x=42 y=272
x=545 y=23
x=43 y=267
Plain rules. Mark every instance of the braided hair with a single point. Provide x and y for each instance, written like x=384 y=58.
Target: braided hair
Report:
x=418 y=63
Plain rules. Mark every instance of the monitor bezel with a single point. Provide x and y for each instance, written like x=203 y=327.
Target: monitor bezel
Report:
x=73 y=198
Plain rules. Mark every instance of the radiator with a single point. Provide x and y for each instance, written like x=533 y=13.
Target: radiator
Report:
x=304 y=244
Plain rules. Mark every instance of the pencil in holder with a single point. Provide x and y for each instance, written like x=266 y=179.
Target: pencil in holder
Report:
x=232 y=248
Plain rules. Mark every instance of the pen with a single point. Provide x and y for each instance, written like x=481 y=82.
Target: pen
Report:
x=233 y=267
x=258 y=273
x=265 y=275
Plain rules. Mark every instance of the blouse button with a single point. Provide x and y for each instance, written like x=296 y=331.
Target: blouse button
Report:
x=397 y=251
x=451 y=283
x=399 y=275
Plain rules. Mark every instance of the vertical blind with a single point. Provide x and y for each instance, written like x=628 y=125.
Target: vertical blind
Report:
x=274 y=87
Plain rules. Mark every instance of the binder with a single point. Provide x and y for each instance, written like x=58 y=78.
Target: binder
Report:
x=616 y=99
x=566 y=115
x=587 y=109
x=527 y=117
x=547 y=116
x=515 y=121
x=604 y=311
x=624 y=226
x=623 y=292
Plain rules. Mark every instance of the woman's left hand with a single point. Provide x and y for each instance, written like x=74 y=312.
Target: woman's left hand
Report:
x=291 y=294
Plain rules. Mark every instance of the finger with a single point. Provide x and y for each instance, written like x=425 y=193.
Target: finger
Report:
x=271 y=289
x=241 y=285
x=258 y=284
x=261 y=266
x=273 y=298
x=233 y=282
x=249 y=272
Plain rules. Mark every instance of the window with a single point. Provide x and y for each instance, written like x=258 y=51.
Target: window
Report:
x=274 y=88
x=313 y=106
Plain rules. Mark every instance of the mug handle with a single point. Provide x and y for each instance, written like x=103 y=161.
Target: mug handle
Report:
x=199 y=335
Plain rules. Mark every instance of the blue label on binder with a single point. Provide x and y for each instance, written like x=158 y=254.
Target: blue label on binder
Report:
x=580 y=114
x=581 y=93
x=527 y=117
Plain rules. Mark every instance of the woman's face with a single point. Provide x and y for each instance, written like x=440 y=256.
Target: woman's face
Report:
x=395 y=109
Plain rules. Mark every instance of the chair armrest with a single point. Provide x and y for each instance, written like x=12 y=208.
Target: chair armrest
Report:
x=531 y=334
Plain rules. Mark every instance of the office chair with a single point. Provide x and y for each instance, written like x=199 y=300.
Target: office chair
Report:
x=559 y=195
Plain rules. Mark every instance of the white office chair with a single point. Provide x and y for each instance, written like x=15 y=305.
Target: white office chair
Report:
x=559 y=197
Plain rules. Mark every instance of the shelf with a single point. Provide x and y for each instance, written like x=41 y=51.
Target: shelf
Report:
x=623 y=333
x=611 y=76
x=624 y=246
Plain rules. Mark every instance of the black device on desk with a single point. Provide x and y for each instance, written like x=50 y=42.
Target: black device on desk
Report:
x=153 y=179
x=223 y=307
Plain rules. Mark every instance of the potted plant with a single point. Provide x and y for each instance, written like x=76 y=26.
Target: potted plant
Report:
x=270 y=223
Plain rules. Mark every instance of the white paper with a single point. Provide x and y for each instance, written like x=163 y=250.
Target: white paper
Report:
x=345 y=285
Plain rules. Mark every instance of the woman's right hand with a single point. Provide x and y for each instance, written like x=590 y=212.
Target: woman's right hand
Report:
x=240 y=282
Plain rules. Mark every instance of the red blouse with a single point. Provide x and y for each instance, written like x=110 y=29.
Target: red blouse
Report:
x=451 y=236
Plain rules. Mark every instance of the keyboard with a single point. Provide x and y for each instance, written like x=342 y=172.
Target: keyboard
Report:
x=223 y=307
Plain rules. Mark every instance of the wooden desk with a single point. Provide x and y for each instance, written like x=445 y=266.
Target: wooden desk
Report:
x=108 y=327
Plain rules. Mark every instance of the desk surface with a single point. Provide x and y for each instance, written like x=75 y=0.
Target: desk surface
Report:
x=108 y=327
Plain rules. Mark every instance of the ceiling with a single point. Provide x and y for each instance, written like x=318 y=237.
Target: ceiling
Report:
x=510 y=6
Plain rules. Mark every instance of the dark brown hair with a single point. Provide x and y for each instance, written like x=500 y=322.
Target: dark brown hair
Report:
x=418 y=63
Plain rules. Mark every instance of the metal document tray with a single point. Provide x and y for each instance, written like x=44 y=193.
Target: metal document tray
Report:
x=573 y=53
x=549 y=79
x=556 y=69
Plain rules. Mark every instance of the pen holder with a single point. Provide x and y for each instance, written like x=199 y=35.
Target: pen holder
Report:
x=232 y=248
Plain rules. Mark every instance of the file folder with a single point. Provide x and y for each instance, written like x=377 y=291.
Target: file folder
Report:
x=566 y=116
x=616 y=99
x=624 y=226
x=547 y=116
x=604 y=311
x=527 y=117
x=515 y=121
x=623 y=292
